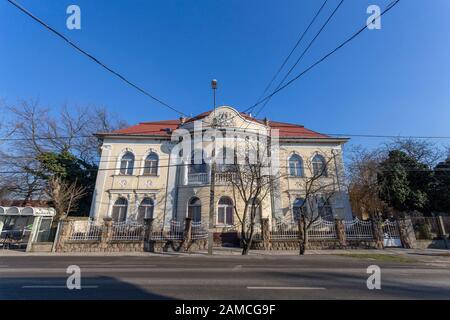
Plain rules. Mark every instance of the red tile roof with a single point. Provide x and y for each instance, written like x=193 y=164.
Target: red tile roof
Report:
x=156 y=128
x=159 y=128
x=295 y=130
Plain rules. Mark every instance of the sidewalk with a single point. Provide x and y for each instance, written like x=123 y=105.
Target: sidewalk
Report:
x=424 y=253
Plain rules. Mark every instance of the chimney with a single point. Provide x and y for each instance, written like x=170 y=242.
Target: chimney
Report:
x=266 y=122
x=182 y=120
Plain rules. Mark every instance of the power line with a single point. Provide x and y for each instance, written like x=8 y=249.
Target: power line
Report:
x=301 y=56
x=339 y=135
x=72 y=44
x=295 y=47
x=389 y=7
x=303 y=53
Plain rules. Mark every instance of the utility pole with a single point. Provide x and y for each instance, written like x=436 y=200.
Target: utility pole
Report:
x=213 y=180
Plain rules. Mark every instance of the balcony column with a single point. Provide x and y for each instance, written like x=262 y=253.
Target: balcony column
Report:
x=185 y=173
x=208 y=170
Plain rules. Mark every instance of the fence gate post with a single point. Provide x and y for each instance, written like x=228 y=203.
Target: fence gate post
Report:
x=106 y=233
x=340 y=232
x=441 y=228
x=64 y=234
x=148 y=228
x=378 y=235
x=265 y=233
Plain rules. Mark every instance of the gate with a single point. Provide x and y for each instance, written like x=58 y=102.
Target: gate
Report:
x=391 y=234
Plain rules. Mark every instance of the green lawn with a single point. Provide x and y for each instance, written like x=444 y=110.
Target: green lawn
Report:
x=377 y=257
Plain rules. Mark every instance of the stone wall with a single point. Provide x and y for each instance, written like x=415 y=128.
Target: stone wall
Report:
x=294 y=244
x=97 y=246
x=431 y=244
x=104 y=244
x=161 y=246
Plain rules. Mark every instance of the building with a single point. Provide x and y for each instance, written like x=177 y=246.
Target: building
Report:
x=139 y=176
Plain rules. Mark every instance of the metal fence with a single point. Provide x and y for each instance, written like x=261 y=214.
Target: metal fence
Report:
x=390 y=229
x=199 y=230
x=127 y=231
x=322 y=229
x=283 y=229
x=358 y=229
x=88 y=231
x=175 y=231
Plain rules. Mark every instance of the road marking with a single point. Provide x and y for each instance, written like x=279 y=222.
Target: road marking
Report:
x=239 y=266
x=55 y=287
x=286 y=288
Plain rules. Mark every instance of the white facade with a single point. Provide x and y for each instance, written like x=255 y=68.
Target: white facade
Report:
x=138 y=176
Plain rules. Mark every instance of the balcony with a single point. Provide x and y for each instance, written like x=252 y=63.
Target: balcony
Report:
x=203 y=178
x=198 y=178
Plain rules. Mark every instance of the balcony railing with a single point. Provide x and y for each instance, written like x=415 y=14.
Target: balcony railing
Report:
x=198 y=178
x=203 y=178
x=224 y=177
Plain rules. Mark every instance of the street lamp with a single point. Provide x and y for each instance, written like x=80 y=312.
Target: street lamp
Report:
x=212 y=181
x=214 y=87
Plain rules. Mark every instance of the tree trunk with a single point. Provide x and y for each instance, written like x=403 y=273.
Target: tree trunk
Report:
x=301 y=229
x=305 y=235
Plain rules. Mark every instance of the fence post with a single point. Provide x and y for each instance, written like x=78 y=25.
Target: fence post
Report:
x=187 y=235
x=441 y=228
x=58 y=232
x=407 y=235
x=64 y=235
x=265 y=233
x=378 y=235
x=106 y=233
x=340 y=232
x=148 y=228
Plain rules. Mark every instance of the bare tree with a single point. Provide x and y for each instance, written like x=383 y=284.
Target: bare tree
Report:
x=319 y=188
x=34 y=131
x=251 y=181
x=363 y=186
x=421 y=150
x=64 y=196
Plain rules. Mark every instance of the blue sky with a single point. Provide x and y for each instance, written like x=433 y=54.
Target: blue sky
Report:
x=393 y=81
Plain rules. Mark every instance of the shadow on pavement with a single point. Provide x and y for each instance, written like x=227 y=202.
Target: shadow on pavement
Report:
x=54 y=288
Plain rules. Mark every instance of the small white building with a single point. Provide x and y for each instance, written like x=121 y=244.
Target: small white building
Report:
x=33 y=223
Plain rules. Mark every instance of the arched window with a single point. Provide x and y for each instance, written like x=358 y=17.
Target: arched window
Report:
x=119 y=211
x=127 y=164
x=145 y=210
x=319 y=166
x=298 y=208
x=197 y=165
x=225 y=211
x=195 y=209
x=324 y=208
x=151 y=164
x=296 y=166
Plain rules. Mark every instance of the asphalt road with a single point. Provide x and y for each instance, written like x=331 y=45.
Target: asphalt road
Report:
x=219 y=277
